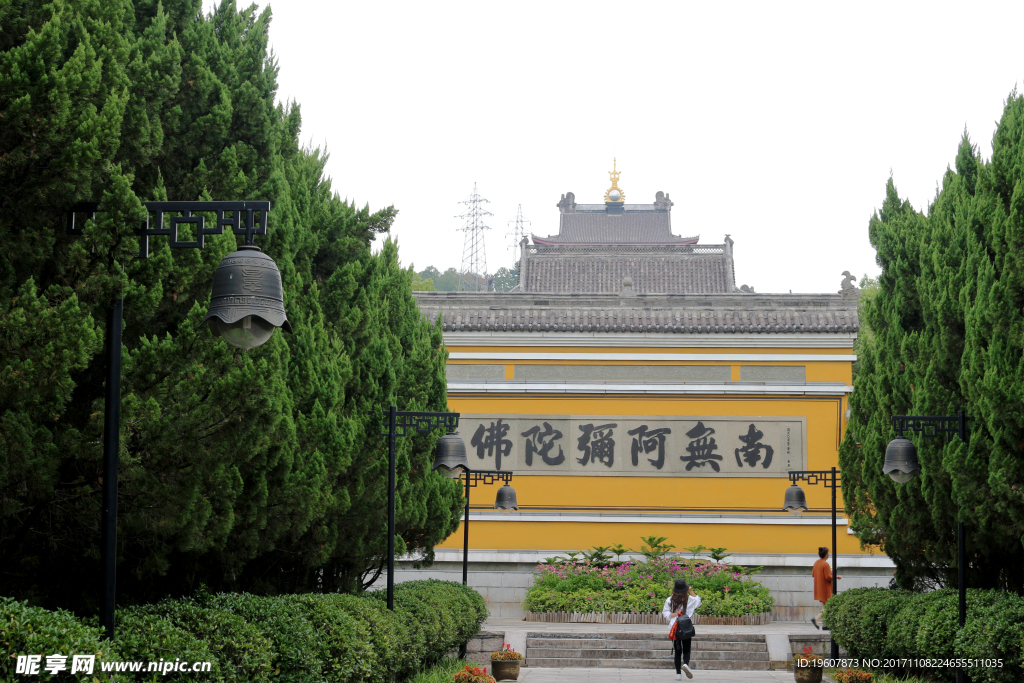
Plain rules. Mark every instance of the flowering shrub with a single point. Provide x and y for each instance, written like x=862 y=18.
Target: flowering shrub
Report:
x=473 y=675
x=582 y=586
x=808 y=658
x=848 y=675
x=506 y=653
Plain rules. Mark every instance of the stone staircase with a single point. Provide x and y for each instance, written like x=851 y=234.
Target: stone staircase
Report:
x=745 y=652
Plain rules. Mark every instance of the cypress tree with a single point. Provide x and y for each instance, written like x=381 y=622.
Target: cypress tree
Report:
x=258 y=471
x=943 y=325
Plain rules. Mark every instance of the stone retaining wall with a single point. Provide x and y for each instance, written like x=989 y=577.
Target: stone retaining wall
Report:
x=641 y=618
x=480 y=647
x=503 y=584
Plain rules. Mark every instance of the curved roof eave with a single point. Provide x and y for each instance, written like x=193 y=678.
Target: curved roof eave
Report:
x=546 y=241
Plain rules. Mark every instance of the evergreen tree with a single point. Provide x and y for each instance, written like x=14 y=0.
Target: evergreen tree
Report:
x=945 y=326
x=448 y=281
x=255 y=471
x=506 y=279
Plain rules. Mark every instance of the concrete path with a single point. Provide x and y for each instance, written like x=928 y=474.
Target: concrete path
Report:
x=498 y=624
x=531 y=675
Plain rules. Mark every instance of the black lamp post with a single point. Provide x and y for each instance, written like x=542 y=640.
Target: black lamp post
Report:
x=399 y=423
x=796 y=503
x=246 y=306
x=901 y=465
x=450 y=460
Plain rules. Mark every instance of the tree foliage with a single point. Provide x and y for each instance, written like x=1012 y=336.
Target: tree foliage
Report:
x=947 y=327
x=448 y=281
x=506 y=278
x=263 y=471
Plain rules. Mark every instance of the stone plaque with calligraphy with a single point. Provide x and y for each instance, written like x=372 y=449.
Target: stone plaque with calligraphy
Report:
x=636 y=445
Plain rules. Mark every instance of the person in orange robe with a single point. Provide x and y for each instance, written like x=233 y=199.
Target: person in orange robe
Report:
x=822 y=574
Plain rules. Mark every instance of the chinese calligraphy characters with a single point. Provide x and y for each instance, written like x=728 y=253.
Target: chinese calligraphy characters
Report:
x=646 y=441
x=492 y=441
x=751 y=452
x=541 y=442
x=597 y=444
x=701 y=448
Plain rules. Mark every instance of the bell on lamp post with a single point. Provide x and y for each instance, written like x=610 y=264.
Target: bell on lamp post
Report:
x=796 y=501
x=248 y=300
x=450 y=456
x=901 y=460
x=506 y=500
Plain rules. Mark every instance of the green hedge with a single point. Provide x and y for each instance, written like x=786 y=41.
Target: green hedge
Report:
x=36 y=631
x=296 y=638
x=882 y=623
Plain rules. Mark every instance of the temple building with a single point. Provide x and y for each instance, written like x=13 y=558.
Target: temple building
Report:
x=600 y=245
x=634 y=390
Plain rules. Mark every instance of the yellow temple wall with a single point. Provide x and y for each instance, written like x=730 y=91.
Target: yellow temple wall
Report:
x=744 y=498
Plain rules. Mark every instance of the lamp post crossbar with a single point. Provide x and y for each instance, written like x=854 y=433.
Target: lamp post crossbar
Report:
x=950 y=426
x=831 y=478
x=930 y=425
x=243 y=221
x=247 y=218
x=402 y=423
x=422 y=422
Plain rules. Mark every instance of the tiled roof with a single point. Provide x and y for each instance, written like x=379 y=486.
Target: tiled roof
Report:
x=662 y=273
x=632 y=226
x=680 y=314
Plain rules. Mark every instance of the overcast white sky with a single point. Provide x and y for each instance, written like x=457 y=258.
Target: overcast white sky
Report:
x=775 y=122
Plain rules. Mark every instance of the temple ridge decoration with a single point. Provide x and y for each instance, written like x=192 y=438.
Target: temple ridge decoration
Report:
x=614 y=195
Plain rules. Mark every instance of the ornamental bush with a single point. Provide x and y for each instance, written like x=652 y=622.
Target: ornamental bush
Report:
x=328 y=637
x=146 y=637
x=298 y=653
x=642 y=587
x=245 y=654
x=28 y=630
x=882 y=623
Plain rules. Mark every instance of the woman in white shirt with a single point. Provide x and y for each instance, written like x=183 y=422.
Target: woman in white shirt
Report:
x=682 y=601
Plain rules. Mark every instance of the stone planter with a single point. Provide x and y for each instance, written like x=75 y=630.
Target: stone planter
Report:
x=508 y=669
x=807 y=674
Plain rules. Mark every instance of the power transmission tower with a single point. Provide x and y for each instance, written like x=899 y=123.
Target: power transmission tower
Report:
x=517 y=233
x=474 y=256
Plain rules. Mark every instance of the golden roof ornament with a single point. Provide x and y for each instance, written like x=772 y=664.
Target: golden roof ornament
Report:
x=614 y=195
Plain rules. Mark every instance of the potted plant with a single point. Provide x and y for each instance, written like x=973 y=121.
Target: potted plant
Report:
x=848 y=675
x=472 y=674
x=808 y=666
x=505 y=663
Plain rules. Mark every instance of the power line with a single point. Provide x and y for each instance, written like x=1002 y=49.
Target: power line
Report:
x=517 y=233
x=473 y=274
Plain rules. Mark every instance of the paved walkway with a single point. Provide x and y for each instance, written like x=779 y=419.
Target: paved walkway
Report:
x=531 y=675
x=787 y=627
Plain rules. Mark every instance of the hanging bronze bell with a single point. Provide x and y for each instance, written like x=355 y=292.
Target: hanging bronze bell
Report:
x=796 y=501
x=247 y=304
x=450 y=456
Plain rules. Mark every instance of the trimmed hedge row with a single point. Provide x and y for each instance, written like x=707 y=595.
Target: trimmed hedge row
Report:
x=879 y=623
x=293 y=638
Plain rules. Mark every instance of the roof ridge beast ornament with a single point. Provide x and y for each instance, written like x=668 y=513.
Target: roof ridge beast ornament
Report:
x=847 y=289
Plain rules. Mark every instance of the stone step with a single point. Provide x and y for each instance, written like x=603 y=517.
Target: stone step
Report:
x=729 y=637
x=645 y=651
x=554 y=653
x=695 y=664
x=660 y=644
